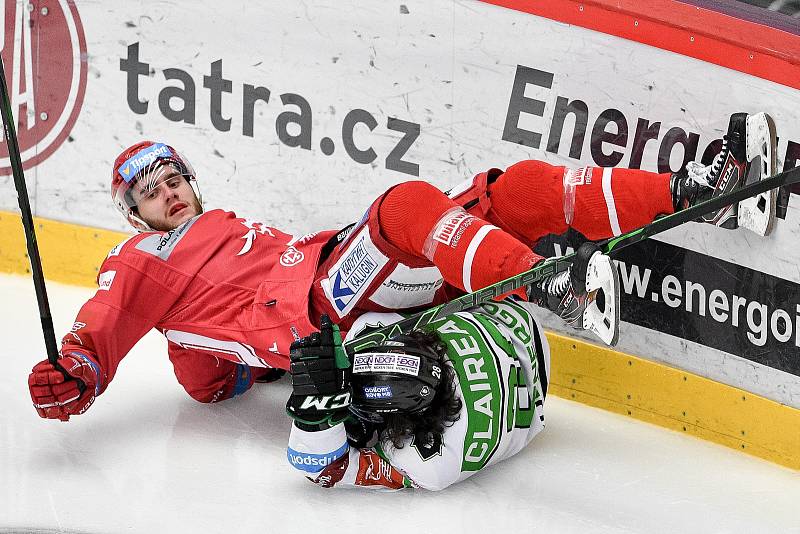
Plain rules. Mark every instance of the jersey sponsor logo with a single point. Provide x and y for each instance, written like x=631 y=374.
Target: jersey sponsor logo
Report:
x=388 y=363
x=105 y=280
x=44 y=53
x=375 y=471
x=306 y=238
x=450 y=228
x=73 y=333
x=313 y=463
x=142 y=159
x=345 y=233
x=165 y=240
x=378 y=392
x=162 y=245
x=408 y=287
x=77 y=325
x=573 y=177
x=353 y=273
x=356 y=269
x=291 y=257
x=412 y=288
x=116 y=250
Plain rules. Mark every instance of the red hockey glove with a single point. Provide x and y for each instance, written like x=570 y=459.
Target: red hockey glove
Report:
x=57 y=397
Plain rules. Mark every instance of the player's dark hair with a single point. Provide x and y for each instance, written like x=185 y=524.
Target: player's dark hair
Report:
x=443 y=411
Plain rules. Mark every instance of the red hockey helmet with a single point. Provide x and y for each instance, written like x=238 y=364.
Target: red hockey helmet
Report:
x=146 y=163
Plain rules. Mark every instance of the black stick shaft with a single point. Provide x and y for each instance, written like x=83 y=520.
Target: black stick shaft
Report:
x=791 y=176
x=27 y=219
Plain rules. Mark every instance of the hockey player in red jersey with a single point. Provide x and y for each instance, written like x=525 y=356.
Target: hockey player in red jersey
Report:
x=231 y=294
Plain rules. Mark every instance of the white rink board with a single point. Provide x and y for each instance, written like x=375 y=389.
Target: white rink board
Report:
x=448 y=67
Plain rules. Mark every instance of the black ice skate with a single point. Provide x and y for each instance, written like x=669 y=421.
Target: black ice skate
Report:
x=748 y=137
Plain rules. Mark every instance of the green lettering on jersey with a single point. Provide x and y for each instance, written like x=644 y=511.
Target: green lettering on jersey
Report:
x=520 y=408
x=504 y=315
x=479 y=377
x=521 y=398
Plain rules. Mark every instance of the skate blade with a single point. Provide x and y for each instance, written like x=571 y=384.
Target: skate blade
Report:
x=602 y=313
x=757 y=214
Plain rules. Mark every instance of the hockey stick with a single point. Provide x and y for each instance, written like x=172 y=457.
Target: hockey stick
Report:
x=27 y=220
x=373 y=337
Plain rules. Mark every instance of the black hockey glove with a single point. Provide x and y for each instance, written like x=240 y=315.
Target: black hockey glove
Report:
x=320 y=372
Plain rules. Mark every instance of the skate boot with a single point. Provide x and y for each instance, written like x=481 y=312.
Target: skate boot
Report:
x=586 y=296
x=748 y=137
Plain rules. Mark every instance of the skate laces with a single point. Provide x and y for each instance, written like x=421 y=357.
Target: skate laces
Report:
x=708 y=175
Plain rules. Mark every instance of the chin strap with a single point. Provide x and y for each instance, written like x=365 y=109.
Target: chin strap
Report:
x=138 y=223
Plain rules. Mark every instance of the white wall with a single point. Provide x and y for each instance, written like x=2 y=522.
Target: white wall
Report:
x=448 y=67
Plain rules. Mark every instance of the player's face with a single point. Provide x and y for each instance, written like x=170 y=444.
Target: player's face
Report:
x=167 y=204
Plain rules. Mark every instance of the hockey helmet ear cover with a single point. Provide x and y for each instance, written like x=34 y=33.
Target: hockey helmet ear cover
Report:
x=400 y=376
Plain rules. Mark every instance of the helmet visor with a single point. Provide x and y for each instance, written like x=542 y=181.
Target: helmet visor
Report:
x=143 y=173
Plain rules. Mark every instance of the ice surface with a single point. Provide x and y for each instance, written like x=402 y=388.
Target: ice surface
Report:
x=147 y=458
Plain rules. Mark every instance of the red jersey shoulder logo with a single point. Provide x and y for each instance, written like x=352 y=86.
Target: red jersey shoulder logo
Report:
x=44 y=53
x=291 y=257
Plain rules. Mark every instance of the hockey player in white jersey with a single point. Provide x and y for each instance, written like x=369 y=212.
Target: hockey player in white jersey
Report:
x=431 y=408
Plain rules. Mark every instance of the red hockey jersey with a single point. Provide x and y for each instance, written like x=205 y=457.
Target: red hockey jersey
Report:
x=219 y=285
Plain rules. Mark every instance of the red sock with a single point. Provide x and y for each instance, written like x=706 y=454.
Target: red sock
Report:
x=528 y=200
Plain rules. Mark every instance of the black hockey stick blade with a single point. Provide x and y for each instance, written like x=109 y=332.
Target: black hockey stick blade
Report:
x=376 y=336
x=27 y=219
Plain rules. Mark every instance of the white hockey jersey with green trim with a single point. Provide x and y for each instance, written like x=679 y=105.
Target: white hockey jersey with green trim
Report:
x=502 y=363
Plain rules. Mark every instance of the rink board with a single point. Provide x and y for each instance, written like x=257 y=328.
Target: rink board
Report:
x=675 y=399
x=300 y=115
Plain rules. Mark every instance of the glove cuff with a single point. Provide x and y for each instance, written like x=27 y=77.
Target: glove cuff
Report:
x=308 y=427
x=325 y=420
x=87 y=370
